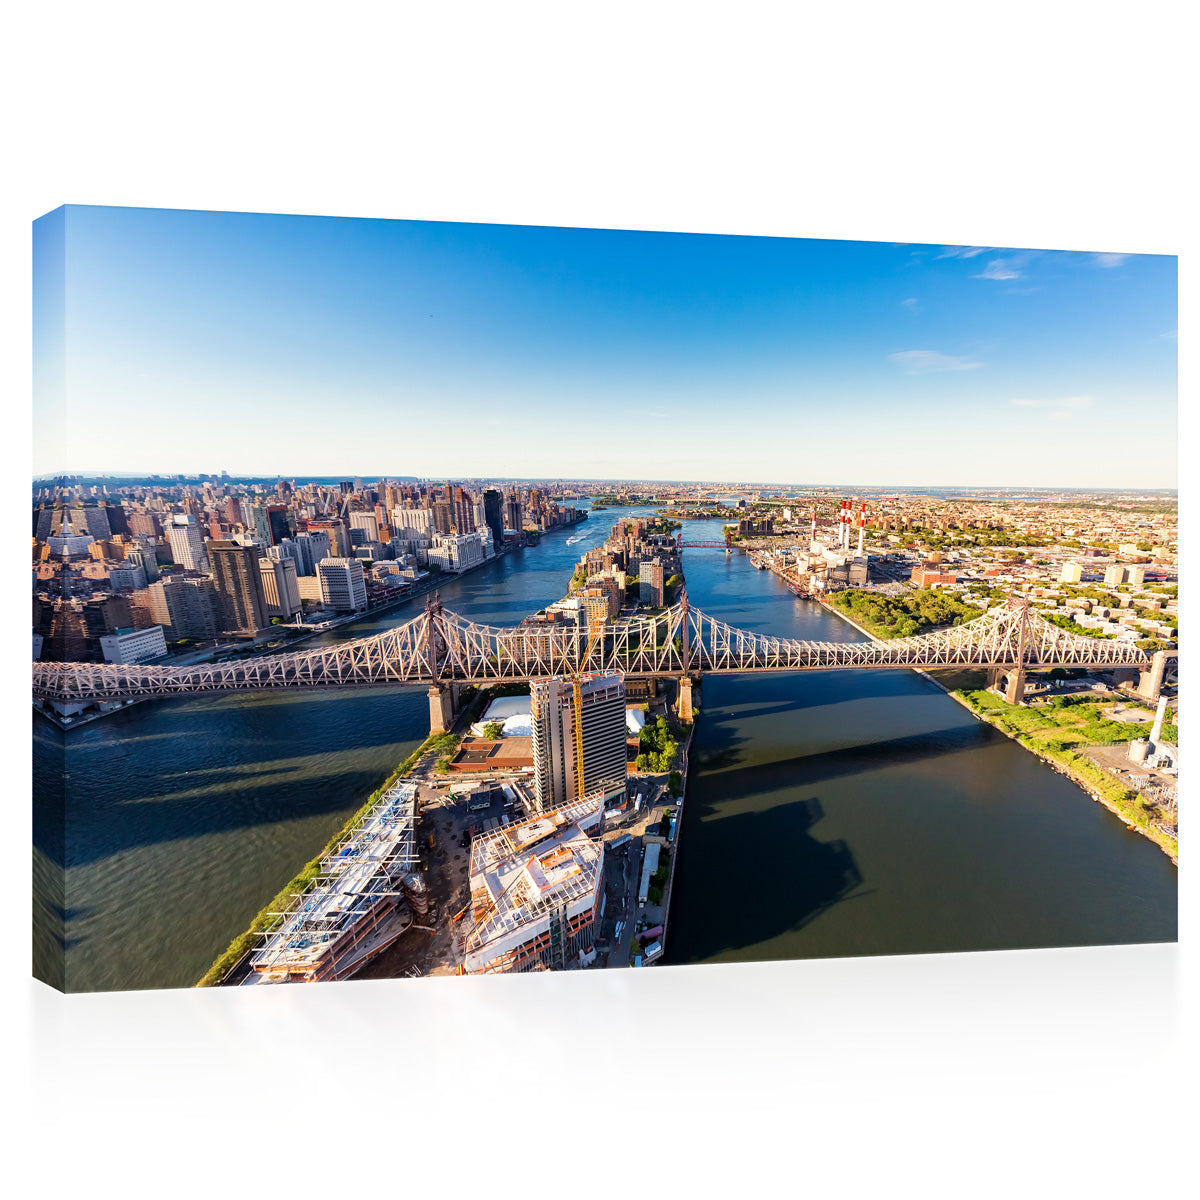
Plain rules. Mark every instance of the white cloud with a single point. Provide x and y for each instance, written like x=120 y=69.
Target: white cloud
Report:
x=963 y=251
x=912 y=304
x=1109 y=260
x=921 y=362
x=1171 y=336
x=1000 y=268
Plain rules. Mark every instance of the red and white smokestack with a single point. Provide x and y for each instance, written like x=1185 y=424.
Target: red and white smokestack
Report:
x=813 y=538
x=862 y=528
x=842 y=525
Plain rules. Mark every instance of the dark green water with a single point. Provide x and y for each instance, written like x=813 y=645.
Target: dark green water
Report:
x=182 y=818
x=843 y=813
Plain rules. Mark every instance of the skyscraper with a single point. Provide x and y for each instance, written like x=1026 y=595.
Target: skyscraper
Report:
x=280 y=589
x=493 y=505
x=513 y=515
x=463 y=506
x=242 y=607
x=553 y=718
x=280 y=523
x=187 y=543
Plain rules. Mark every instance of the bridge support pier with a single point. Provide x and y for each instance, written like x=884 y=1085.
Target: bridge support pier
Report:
x=1150 y=681
x=1009 y=682
x=441 y=708
x=683 y=702
x=1014 y=686
x=1126 y=677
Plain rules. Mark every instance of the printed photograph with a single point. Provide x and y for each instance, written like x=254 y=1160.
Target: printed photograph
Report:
x=415 y=598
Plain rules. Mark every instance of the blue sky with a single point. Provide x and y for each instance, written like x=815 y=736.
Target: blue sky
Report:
x=202 y=341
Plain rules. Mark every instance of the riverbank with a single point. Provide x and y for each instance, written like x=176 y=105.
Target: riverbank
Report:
x=1123 y=802
x=228 y=968
x=673 y=865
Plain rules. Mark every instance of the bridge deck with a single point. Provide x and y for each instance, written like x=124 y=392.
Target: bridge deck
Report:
x=442 y=647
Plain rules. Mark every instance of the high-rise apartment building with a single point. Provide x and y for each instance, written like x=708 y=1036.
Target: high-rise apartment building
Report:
x=443 y=516
x=145 y=524
x=553 y=718
x=514 y=517
x=650 y=575
x=463 y=509
x=185 y=608
x=343 y=586
x=187 y=543
x=237 y=581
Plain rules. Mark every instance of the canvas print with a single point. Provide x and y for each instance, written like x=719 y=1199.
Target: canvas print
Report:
x=417 y=598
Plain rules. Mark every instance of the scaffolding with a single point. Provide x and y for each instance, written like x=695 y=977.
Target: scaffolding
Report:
x=535 y=889
x=355 y=908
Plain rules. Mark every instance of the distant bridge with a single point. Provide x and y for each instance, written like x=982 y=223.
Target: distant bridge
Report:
x=705 y=543
x=439 y=648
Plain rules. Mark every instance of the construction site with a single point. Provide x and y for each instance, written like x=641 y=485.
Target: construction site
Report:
x=536 y=892
x=364 y=898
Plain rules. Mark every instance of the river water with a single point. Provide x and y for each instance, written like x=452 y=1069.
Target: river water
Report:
x=839 y=813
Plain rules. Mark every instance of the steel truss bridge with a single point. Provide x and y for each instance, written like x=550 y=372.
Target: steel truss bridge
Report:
x=725 y=543
x=440 y=647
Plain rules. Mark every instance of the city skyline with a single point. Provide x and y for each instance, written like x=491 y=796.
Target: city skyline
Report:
x=290 y=344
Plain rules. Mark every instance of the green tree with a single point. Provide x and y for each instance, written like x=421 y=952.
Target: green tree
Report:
x=492 y=730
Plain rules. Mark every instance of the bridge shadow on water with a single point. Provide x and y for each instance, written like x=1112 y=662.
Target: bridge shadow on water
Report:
x=723 y=780
x=115 y=824
x=772 y=857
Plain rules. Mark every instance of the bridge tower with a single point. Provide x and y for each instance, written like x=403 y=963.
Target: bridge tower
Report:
x=683 y=702
x=1013 y=678
x=441 y=698
x=1014 y=691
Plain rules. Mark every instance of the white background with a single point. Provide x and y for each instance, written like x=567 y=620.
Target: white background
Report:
x=1033 y=1074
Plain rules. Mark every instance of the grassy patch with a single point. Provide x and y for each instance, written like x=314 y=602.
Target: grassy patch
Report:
x=902 y=616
